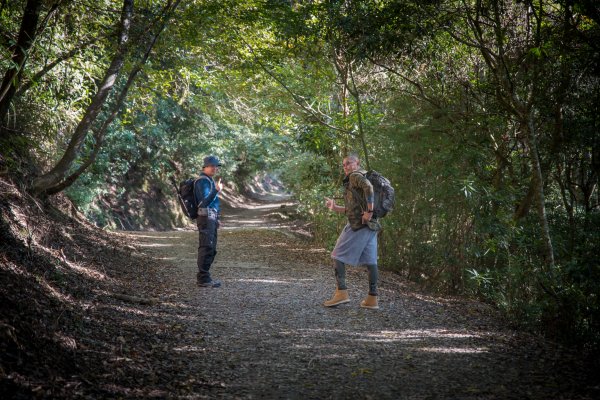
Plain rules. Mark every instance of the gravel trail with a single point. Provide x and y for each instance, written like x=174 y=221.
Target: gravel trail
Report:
x=265 y=334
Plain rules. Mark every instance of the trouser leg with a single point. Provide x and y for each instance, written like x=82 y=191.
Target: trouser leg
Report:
x=206 y=256
x=373 y=277
x=207 y=248
x=340 y=274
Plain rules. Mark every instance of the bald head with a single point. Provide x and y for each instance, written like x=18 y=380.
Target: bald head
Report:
x=351 y=163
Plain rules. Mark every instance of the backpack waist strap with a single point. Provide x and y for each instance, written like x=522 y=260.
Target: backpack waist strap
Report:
x=207 y=212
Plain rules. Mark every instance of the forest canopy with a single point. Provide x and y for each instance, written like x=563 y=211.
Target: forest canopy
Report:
x=483 y=114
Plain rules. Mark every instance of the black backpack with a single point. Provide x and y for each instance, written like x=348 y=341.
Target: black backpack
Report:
x=384 y=194
x=186 y=196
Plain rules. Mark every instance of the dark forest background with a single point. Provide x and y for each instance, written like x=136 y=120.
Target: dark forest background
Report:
x=483 y=114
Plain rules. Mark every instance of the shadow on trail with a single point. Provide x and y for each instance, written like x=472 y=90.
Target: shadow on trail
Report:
x=265 y=334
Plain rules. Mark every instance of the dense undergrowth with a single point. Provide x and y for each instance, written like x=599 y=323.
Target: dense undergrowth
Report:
x=455 y=236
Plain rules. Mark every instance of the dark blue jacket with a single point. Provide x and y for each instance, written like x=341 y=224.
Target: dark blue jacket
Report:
x=206 y=193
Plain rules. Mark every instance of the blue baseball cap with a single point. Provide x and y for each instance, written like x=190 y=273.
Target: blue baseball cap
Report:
x=211 y=160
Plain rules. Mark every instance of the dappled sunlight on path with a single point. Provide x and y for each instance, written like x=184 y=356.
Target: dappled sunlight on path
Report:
x=265 y=333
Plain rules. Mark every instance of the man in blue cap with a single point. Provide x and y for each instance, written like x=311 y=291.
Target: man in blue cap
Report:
x=207 y=191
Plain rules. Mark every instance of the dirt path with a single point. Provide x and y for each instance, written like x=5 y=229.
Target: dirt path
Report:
x=264 y=334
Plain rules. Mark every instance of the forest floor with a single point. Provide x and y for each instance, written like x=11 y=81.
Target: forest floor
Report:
x=265 y=333
x=147 y=331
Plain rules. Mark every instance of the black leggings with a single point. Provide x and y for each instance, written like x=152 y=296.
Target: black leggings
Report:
x=340 y=276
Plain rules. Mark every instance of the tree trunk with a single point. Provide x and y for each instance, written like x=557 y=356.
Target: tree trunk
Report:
x=344 y=68
x=20 y=51
x=57 y=174
x=538 y=186
x=361 y=131
x=345 y=110
x=523 y=207
x=569 y=206
x=101 y=132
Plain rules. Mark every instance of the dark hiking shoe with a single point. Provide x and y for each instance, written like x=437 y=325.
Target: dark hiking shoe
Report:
x=215 y=283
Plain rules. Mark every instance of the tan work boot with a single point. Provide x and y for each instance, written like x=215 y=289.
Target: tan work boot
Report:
x=370 y=302
x=340 y=297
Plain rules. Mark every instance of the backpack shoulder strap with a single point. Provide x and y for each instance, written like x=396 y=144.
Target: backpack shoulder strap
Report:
x=194 y=191
x=210 y=181
x=353 y=190
x=357 y=172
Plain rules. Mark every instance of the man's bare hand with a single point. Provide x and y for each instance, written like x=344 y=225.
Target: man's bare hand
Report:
x=366 y=217
x=329 y=203
x=219 y=185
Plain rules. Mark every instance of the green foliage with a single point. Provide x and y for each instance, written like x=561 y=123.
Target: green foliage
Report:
x=291 y=87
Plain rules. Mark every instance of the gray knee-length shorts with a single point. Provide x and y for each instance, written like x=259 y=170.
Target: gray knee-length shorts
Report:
x=356 y=247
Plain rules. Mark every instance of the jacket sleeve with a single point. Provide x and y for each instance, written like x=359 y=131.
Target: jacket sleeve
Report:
x=359 y=181
x=205 y=193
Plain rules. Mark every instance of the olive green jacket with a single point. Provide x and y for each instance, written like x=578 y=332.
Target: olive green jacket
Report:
x=354 y=205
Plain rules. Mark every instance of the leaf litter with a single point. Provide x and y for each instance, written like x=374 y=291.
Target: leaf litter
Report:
x=136 y=326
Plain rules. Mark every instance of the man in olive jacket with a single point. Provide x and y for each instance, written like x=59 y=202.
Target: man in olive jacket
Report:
x=357 y=244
